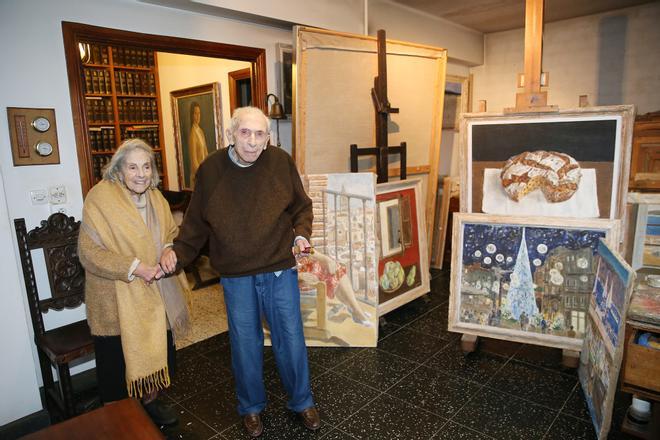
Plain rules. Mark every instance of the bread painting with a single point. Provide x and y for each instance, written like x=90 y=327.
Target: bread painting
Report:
x=557 y=175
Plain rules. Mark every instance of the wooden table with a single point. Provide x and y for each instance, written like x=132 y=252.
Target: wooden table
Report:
x=125 y=419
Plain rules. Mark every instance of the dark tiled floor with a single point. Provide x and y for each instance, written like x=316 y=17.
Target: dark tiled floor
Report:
x=416 y=385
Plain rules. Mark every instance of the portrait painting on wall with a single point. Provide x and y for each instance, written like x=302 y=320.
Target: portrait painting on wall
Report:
x=403 y=268
x=600 y=359
x=197 y=128
x=566 y=164
x=524 y=279
x=338 y=285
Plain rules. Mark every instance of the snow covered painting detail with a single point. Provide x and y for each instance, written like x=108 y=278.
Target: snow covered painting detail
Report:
x=600 y=359
x=522 y=279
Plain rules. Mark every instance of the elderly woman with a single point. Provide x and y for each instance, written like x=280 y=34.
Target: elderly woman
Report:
x=135 y=315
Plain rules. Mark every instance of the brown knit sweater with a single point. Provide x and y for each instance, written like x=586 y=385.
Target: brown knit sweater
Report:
x=249 y=215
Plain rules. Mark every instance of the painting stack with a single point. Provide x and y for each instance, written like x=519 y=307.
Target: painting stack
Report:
x=535 y=247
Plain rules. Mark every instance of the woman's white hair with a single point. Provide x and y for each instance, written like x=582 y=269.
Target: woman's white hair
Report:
x=112 y=171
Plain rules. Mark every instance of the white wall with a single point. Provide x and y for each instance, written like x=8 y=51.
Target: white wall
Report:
x=181 y=71
x=18 y=378
x=463 y=45
x=611 y=57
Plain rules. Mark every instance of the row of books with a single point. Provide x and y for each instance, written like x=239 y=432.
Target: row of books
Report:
x=98 y=54
x=159 y=162
x=97 y=81
x=149 y=135
x=132 y=57
x=137 y=110
x=99 y=110
x=102 y=138
x=135 y=83
x=98 y=164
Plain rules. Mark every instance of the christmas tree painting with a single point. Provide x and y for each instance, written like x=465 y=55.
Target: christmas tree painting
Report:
x=520 y=298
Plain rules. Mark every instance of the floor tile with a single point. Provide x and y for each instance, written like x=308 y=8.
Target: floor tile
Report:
x=337 y=397
x=279 y=423
x=195 y=375
x=434 y=391
x=390 y=418
x=477 y=366
x=433 y=323
x=567 y=427
x=505 y=417
x=540 y=385
x=454 y=431
x=386 y=328
x=216 y=406
x=576 y=405
x=338 y=435
x=409 y=312
x=546 y=357
x=331 y=356
x=412 y=345
x=188 y=428
x=376 y=368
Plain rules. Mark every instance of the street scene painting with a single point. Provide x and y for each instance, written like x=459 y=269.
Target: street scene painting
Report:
x=600 y=359
x=337 y=280
x=522 y=279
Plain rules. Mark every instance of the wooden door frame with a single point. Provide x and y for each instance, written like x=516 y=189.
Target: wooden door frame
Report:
x=74 y=32
x=234 y=77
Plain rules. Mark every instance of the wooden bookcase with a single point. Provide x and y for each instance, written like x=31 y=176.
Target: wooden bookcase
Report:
x=121 y=98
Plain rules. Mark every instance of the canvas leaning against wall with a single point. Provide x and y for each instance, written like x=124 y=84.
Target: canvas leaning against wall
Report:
x=338 y=286
x=602 y=351
x=524 y=279
x=403 y=266
x=572 y=163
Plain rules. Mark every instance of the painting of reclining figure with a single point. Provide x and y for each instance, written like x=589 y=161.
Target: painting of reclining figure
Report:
x=522 y=279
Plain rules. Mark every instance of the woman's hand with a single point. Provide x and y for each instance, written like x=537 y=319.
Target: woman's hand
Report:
x=148 y=273
x=168 y=260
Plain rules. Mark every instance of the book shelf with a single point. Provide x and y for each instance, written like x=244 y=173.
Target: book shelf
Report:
x=121 y=99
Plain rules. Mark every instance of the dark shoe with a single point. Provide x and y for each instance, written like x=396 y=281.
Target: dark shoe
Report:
x=310 y=418
x=161 y=413
x=253 y=425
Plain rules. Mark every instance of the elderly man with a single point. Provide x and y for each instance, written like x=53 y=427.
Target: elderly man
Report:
x=250 y=204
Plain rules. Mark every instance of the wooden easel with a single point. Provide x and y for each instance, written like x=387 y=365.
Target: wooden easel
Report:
x=382 y=109
x=532 y=100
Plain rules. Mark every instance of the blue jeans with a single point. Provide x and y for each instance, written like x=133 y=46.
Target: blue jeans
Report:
x=277 y=298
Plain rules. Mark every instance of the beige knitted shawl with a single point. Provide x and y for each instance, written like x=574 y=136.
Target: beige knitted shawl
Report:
x=113 y=221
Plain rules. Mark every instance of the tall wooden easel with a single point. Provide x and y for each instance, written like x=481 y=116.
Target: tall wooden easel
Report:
x=382 y=109
x=531 y=100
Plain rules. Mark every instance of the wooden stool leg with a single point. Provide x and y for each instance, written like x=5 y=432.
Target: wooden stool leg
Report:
x=66 y=390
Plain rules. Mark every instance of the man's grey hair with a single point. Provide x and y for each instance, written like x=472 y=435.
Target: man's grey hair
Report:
x=242 y=111
x=112 y=171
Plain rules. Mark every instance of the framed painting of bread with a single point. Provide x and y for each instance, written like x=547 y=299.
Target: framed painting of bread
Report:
x=525 y=279
x=572 y=163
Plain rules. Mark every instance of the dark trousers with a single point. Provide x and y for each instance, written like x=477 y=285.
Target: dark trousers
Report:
x=111 y=367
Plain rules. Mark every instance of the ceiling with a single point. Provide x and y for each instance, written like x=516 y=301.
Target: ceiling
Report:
x=500 y=15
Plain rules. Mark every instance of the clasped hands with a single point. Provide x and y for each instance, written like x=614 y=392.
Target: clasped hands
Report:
x=166 y=266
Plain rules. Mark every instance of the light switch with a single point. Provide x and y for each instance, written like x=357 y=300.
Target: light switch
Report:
x=38 y=196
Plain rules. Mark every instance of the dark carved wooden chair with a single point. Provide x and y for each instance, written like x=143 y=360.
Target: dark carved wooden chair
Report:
x=58 y=238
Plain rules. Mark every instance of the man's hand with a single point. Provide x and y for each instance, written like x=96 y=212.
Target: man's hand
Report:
x=168 y=260
x=302 y=247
